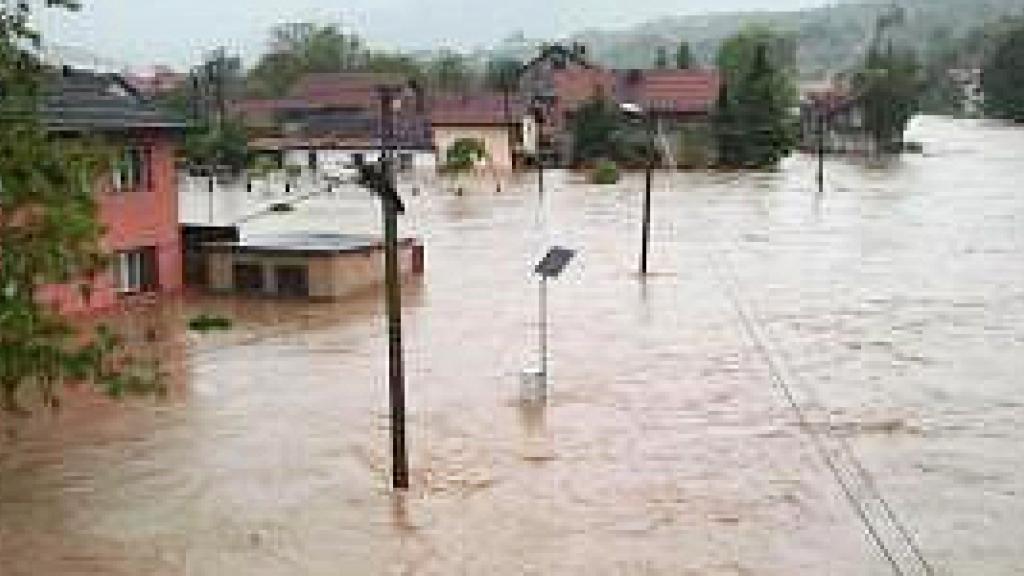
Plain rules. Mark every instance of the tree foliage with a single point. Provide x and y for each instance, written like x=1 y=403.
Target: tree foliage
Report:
x=889 y=89
x=1003 y=76
x=225 y=144
x=597 y=131
x=502 y=74
x=49 y=231
x=464 y=154
x=302 y=47
x=753 y=124
x=449 y=71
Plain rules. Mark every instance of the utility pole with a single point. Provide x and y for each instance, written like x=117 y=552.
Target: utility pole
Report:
x=821 y=151
x=540 y=156
x=645 y=246
x=393 y=290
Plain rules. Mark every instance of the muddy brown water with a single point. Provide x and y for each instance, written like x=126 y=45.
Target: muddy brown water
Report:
x=895 y=302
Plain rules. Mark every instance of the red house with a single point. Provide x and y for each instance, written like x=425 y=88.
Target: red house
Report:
x=137 y=198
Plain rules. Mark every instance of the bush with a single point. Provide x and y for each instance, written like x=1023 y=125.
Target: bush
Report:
x=207 y=323
x=261 y=166
x=464 y=153
x=226 y=145
x=605 y=172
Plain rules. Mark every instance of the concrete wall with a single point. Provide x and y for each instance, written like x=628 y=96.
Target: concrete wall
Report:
x=421 y=159
x=496 y=139
x=331 y=276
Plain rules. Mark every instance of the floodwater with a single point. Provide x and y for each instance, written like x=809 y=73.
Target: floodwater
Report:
x=892 y=306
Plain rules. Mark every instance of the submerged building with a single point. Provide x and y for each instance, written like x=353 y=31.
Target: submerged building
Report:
x=137 y=196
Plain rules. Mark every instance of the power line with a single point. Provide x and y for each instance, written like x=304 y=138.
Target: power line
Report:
x=778 y=372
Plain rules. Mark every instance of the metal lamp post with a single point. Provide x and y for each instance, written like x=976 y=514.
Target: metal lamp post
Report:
x=635 y=112
x=551 y=266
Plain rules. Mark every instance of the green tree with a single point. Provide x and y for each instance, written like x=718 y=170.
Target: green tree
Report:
x=753 y=123
x=889 y=89
x=49 y=232
x=300 y=48
x=597 y=131
x=1003 y=77
x=464 y=153
x=502 y=74
x=684 y=56
x=661 y=58
x=225 y=144
x=449 y=72
x=393 y=63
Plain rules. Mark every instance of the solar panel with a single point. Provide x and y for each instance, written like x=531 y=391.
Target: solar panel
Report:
x=554 y=262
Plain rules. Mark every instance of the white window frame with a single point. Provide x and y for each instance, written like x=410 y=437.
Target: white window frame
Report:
x=128 y=271
x=127 y=175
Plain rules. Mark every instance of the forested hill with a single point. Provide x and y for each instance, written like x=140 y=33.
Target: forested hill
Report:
x=829 y=38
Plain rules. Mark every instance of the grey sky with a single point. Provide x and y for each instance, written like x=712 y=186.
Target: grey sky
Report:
x=177 y=32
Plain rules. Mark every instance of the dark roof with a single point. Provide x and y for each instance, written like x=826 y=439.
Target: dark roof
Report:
x=84 y=101
x=477 y=109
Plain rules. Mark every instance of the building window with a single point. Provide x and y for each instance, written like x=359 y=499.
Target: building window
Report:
x=136 y=271
x=131 y=170
x=405 y=161
x=292 y=281
x=248 y=279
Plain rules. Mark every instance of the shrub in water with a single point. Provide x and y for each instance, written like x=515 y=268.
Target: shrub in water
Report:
x=605 y=172
x=207 y=323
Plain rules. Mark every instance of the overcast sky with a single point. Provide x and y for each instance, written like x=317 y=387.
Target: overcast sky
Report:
x=177 y=32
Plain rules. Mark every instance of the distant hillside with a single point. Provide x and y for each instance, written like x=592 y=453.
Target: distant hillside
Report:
x=829 y=38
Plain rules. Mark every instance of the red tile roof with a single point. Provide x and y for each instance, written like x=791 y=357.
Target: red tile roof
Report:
x=478 y=109
x=574 y=86
x=342 y=89
x=685 y=91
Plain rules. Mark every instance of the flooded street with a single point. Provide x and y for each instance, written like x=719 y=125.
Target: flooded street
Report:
x=893 y=305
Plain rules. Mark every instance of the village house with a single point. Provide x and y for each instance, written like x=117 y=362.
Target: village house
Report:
x=298 y=264
x=681 y=102
x=495 y=120
x=330 y=120
x=137 y=198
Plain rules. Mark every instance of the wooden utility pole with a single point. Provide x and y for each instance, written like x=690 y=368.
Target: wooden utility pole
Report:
x=393 y=289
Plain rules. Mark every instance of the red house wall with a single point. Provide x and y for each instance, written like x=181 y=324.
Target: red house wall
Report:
x=133 y=219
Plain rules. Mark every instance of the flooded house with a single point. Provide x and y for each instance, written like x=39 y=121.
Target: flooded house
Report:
x=136 y=198
x=329 y=121
x=680 y=101
x=304 y=265
x=498 y=121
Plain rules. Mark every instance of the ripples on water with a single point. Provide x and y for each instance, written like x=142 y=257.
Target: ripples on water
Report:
x=897 y=299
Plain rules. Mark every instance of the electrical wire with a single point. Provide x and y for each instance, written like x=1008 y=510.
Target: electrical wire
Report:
x=777 y=371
